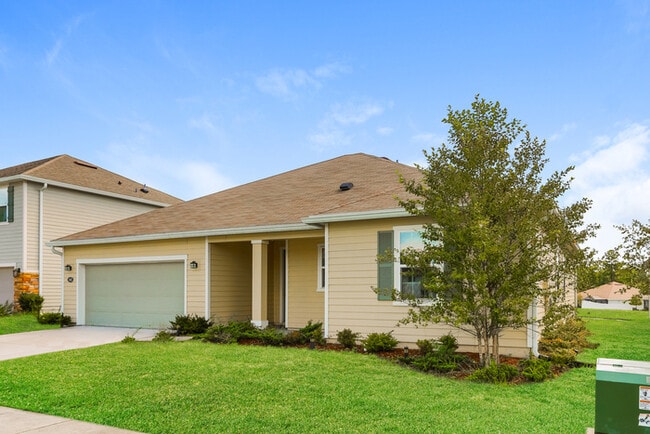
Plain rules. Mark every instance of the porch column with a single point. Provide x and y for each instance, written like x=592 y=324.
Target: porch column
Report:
x=260 y=283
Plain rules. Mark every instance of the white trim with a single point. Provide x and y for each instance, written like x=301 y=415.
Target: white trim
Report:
x=85 y=189
x=362 y=215
x=81 y=276
x=24 y=234
x=189 y=234
x=326 y=321
x=207 y=279
x=8 y=264
x=41 y=218
x=285 y=289
x=322 y=256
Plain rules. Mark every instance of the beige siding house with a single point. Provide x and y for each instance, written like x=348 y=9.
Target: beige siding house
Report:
x=284 y=250
x=47 y=199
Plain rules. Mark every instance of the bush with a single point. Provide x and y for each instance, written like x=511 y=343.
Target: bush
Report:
x=6 y=309
x=128 y=339
x=54 y=318
x=378 y=342
x=501 y=373
x=163 y=336
x=230 y=333
x=439 y=355
x=535 y=370
x=563 y=339
x=30 y=303
x=190 y=324
x=347 y=338
x=271 y=336
x=313 y=332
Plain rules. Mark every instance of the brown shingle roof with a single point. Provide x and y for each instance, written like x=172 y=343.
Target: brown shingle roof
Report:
x=283 y=199
x=73 y=171
x=613 y=291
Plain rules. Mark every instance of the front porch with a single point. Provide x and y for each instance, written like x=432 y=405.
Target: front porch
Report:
x=267 y=281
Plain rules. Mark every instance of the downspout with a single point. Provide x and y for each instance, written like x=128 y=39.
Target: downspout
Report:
x=40 y=236
x=60 y=253
x=326 y=324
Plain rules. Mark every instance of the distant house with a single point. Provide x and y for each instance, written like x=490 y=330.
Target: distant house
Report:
x=612 y=295
x=294 y=247
x=50 y=198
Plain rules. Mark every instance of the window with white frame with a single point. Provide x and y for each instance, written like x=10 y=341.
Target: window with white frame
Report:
x=322 y=267
x=4 y=204
x=408 y=280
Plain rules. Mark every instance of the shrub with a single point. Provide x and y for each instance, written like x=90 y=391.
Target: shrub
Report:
x=535 y=370
x=6 y=309
x=312 y=332
x=271 y=336
x=163 y=336
x=190 y=324
x=54 y=318
x=230 y=333
x=378 y=342
x=563 y=339
x=31 y=303
x=347 y=338
x=495 y=373
x=439 y=355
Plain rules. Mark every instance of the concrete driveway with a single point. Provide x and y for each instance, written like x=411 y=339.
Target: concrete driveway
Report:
x=18 y=345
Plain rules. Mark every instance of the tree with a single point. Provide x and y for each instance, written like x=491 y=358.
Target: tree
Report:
x=636 y=253
x=497 y=230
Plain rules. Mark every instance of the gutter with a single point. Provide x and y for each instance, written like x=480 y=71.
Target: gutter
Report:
x=60 y=253
x=41 y=194
x=362 y=215
x=84 y=189
x=188 y=234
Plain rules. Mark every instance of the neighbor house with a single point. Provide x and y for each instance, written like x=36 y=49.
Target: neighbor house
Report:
x=612 y=295
x=47 y=199
x=284 y=250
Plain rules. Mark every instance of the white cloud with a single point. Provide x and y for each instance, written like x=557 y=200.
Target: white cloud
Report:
x=52 y=55
x=288 y=83
x=334 y=129
x=385 y=131
x=185 y=178
x=566 y=128
x=617 y=178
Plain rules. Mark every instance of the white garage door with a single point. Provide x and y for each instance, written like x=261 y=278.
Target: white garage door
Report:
x=145 y=295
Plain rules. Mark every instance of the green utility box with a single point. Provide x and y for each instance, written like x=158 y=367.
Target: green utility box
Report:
x=622 y=396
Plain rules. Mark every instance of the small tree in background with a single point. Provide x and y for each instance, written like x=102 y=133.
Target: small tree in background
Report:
x=498 y=228
x=636 y=254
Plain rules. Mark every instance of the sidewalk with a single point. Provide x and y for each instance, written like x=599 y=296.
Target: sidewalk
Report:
x=15 y=421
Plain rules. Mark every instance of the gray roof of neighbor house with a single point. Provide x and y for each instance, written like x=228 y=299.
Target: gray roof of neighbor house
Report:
x=70 y=172
x=294 y=200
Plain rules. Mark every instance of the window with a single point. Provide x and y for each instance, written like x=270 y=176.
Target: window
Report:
x=6 y=204
x=392 y=273
x=408 y=280
x=322 y=267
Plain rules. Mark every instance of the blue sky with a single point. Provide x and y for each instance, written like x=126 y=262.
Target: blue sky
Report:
x=193 y=97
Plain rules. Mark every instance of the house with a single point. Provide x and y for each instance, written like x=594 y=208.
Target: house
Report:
x=283 y=250
x=612 y=295
x=47 y=199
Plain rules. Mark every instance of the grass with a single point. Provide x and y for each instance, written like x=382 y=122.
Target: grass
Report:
x=22 y=322
x=193 y=387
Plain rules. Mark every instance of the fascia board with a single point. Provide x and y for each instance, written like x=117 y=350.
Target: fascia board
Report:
x=188 y=234
x=352 y=216
x=82 y=189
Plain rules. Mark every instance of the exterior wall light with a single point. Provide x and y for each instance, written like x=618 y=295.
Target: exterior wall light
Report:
x=194 y=265
x=68 y=267
x=17 y=272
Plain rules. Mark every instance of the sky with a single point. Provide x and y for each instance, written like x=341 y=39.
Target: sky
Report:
x=195 y=97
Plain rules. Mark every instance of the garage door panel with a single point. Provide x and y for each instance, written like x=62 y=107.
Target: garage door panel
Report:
x=134 y=294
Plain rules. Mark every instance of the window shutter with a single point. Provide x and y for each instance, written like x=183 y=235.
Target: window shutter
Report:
x=385 y=270
x=10 y=203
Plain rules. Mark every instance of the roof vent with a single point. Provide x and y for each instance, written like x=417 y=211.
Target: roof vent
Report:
x=346 y=186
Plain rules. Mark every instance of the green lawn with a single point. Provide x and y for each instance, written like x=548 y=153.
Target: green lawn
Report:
x=190 y=387
x=18 y=323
